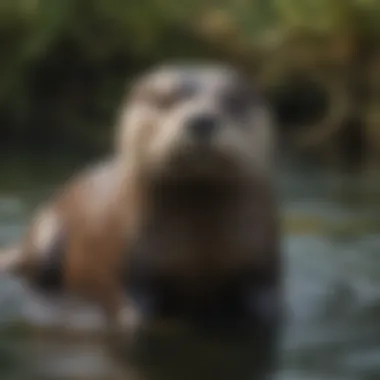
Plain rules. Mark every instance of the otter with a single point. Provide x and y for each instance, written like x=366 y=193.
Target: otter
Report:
x=182 y=220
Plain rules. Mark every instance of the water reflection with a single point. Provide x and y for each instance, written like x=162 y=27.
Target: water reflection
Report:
x=245 y=355
x=67 y=341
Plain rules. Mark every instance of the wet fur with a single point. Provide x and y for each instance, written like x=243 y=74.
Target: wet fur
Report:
x=174 y=246
x=192 y=261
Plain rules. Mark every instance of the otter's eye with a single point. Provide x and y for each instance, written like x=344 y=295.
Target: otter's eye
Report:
x=168 y=99
x=237 y=103
x=160 y=99
x=164 y=101
x=240 y=99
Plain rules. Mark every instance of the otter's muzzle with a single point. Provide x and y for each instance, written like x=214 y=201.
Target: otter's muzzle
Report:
x=202 y=127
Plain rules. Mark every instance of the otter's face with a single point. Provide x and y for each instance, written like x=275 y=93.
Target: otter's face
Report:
x=194 y=121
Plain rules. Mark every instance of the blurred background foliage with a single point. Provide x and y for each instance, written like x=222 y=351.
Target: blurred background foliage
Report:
x=65 y=65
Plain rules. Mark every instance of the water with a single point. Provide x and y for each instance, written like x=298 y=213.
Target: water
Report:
x=331 y=246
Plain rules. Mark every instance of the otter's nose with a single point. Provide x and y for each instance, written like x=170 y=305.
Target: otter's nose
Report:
x=202 y=126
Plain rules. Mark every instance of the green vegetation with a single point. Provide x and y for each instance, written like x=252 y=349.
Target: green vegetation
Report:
x=65 y=63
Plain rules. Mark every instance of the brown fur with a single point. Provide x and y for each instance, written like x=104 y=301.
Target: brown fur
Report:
x=198 y=241
x=95 y=237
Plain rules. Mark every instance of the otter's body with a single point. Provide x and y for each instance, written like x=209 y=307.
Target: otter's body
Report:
x=207 y=246
x=183 y=220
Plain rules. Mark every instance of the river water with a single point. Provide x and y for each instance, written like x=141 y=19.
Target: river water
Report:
x=331 y=246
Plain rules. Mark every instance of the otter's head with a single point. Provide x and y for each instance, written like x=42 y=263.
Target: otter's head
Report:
x=194 y=121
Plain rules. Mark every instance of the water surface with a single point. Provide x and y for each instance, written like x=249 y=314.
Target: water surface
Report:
x=331 y=246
